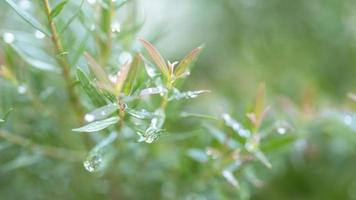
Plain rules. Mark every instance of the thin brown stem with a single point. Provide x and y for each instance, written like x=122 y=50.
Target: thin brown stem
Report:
x=62 y=61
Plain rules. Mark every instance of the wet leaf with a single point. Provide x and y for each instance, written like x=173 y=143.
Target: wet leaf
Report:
x=97 y=125
x=90 y=89
x=177 y=95
x=131 y=76
x=101 y=113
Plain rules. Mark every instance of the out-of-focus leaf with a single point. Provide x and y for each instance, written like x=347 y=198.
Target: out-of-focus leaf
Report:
x=8 y=74
x=90 y=89
x=187 y=61
x=236 y=126
x=131 y=76
x=121 y=77
x=21 y=161
x=221 y=136
x=198 y=155
x=73 y=17
x=229 y=176
x=263 y=159
x=97 y=125
x=156 y=56
x=99 y=72
x=57 y=9
x=259 y=111
x=27 y=17
x=35 y=62
x=78 y=52
x=275 y=143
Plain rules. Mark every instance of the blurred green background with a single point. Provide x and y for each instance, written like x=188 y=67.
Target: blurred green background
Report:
x=304 y=51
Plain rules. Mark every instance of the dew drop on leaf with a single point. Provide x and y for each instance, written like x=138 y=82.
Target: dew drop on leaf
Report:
x=8 y=37
x=93 y=163
x=89 y=117
x=22 y=89
x=125 y=57
x=39 y=34
x=115 y=27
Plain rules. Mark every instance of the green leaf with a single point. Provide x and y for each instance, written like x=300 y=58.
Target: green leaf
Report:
x=97 y=125
x=73 y=17
x=90 y=89
x=99 y=72
x=263 y=159
x=57 y=9
x=27 y=17
x=156 y=56
x=187 y=61
x=130 y=79
x=273 y=144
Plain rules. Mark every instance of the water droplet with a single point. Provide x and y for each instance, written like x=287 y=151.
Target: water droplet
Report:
x=348 y=119
x=113 y=78
x=215 y=154
x=155 y=90
x=8 y=37
x=125 y=57
x=281 y=130
x=91 y=1
x=22 y=89
x=282 y=127
x=150 y=71
x=89 y=117
x=93 y=163
x=115 y=27
x=39 y=34
x=177 y=95
x=92 y=27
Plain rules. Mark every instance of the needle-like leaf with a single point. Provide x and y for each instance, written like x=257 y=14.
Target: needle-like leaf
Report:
x=187 y=61
x=97 y=125
x=99 y=72
x=58 y=9
x=27 y=17
x=130 y=79
x=156 y=56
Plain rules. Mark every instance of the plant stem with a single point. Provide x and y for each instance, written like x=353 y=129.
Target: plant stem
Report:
x=164 y=102
x=53 y=152
x=62 y=61
x=106 y=21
